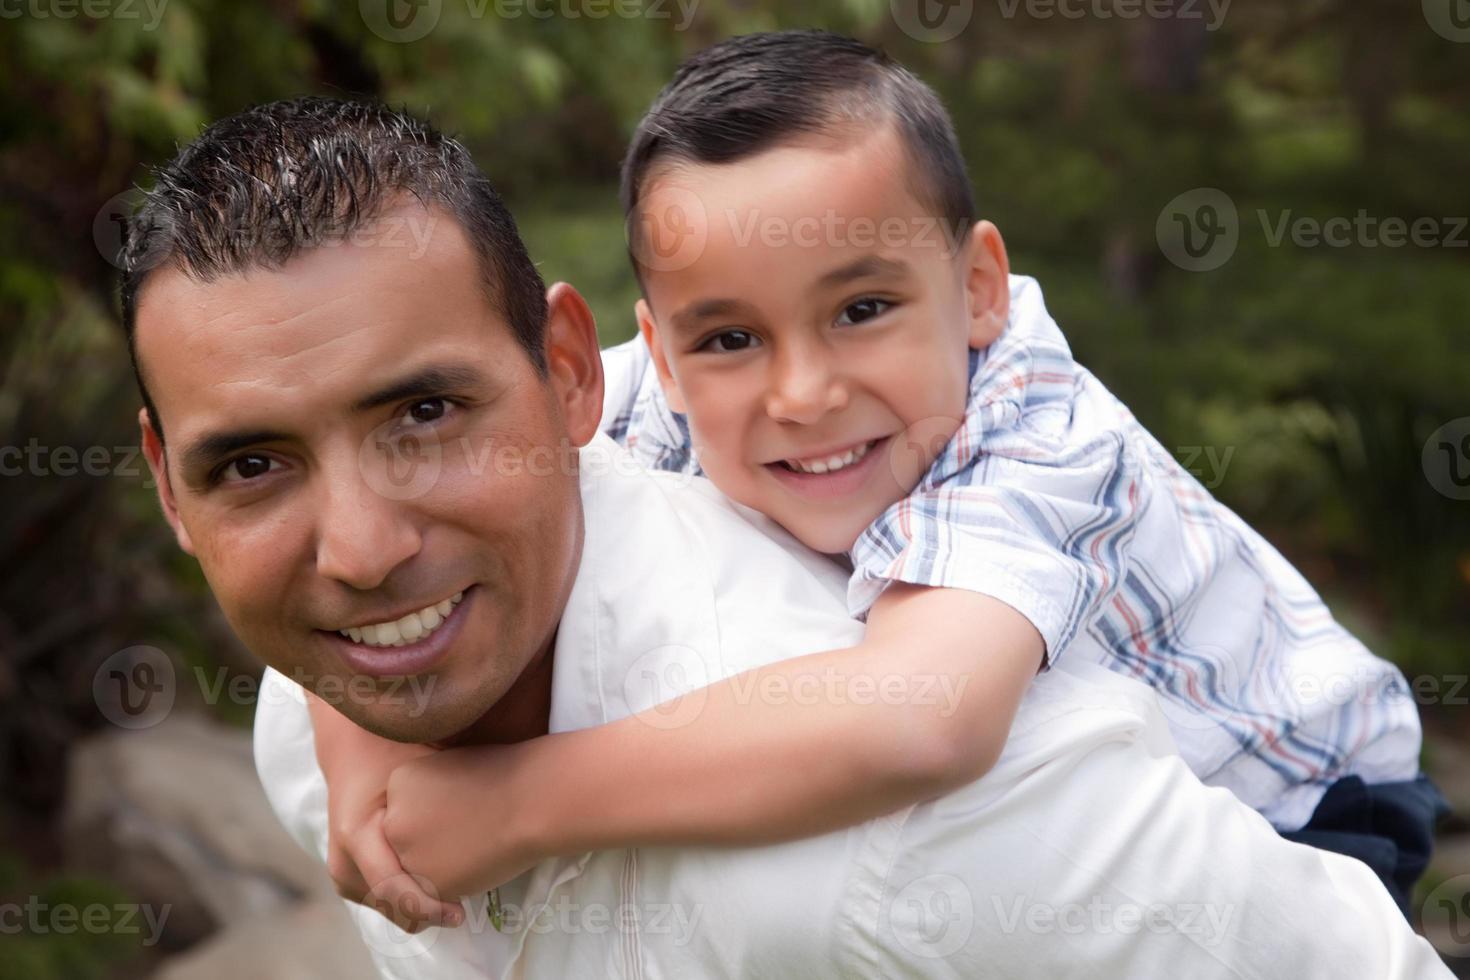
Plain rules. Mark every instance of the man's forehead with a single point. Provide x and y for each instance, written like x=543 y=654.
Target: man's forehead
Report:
x=327 y=322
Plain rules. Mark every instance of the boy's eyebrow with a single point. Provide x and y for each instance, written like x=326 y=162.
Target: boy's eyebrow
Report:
x=863 y=268
x=436 y=379
x=686 y=320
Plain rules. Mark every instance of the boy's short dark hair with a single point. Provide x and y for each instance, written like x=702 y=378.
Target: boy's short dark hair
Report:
x=754 y=92
x=256 y=188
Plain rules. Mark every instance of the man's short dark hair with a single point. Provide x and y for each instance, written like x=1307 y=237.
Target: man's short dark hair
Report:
x=758 y=91
x=259 y=187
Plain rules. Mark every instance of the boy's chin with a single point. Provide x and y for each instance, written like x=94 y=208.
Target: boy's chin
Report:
x=827 y=537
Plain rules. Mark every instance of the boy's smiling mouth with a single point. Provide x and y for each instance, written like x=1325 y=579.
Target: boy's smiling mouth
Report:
x=831 y=473
x=830 y=462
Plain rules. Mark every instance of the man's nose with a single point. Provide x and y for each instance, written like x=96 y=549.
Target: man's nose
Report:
x=364 y=534
x=805 y=385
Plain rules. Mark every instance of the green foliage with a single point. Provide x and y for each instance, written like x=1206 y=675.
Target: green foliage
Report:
x=54 y=941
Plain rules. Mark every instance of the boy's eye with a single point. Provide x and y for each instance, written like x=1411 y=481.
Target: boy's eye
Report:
x=730 y=341
x=863 y=309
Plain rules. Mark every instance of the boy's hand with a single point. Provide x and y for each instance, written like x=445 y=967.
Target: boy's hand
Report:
x=363 y=866
x=459 y=819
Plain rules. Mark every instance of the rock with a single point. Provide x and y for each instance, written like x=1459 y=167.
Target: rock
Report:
x=175 y=815
x=313 y=940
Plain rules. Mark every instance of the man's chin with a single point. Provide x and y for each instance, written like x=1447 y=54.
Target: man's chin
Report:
x=428 y=723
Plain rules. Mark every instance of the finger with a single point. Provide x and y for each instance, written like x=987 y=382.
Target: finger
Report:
x=413 y=898
x=346 y=876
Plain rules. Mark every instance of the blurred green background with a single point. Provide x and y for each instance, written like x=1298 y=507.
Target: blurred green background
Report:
x=1300 y=382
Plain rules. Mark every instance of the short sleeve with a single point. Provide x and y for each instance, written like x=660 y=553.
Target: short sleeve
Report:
x=623 y=371
x=1047 y=535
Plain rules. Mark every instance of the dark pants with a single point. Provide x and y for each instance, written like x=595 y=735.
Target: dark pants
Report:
x=1387 y=826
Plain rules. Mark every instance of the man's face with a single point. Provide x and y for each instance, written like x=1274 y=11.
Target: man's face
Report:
x=816 y=326
x=357 y=436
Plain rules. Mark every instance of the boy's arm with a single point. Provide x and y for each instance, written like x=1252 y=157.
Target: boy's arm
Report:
x=356 y=765
x=921 y=706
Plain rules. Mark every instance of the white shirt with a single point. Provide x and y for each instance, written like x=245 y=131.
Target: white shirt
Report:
x=1089 y=850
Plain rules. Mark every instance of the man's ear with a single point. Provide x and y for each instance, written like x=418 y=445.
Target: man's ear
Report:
x=158 y=464
x=649 y=329
x=574 y=361
x=987 y=273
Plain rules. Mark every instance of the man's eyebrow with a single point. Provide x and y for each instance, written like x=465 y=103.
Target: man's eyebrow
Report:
x=207 y=450
x=204 y=452
x=435 y=379
x=863 y=268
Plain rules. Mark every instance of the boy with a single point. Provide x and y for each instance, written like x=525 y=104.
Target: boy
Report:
x=830 y=334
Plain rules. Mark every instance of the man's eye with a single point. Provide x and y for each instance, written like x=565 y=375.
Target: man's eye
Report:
x=424 y=411
x=730 y=341
x=245 y=468
x=863 y=309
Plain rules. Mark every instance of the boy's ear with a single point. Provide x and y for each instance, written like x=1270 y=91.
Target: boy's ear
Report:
x=158 y=466
x=987 y=283
x=574 y=361
x=649 y=329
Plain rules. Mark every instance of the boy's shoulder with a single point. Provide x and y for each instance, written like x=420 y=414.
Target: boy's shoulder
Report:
x=1030 y=403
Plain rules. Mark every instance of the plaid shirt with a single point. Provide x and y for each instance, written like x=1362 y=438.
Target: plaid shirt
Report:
x=1053 y=499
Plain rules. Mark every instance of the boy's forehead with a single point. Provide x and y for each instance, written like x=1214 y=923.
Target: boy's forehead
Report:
x=797 y=209
x=852 y=174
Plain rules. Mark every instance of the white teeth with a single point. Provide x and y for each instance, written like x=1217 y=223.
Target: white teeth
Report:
x=831 y=463
x=414 y=626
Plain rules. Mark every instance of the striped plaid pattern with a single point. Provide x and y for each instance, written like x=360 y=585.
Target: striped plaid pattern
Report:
x=1053 y=499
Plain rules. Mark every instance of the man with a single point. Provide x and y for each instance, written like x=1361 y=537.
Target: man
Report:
x=299 y=344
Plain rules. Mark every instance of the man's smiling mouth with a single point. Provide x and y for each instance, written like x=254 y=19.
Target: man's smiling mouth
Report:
x=406 y=629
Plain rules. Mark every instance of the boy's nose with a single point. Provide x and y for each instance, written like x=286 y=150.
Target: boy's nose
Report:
x=804 y=388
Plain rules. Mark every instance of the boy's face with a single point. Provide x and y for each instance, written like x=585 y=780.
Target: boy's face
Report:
x=813 y=320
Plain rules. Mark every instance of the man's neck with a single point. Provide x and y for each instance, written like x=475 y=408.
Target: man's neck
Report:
x=522 y=713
